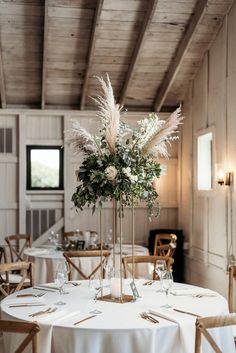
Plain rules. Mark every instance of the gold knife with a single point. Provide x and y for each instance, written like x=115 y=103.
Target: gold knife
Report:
x=186 y=312
x=21 y=305
x=87 y=318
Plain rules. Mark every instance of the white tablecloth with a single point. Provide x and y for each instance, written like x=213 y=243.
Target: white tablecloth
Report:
x=120 y=328
x=46 y=262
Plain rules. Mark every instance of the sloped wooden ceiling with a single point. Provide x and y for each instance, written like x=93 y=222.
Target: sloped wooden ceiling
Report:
x=51 y=50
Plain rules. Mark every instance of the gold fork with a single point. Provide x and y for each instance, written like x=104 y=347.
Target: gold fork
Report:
x=48 y=311
x=149 y=318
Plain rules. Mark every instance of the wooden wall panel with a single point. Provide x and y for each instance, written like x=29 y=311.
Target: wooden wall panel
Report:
x=44 y=127
x=230 y=132
x=212 y=235
x=217 y=117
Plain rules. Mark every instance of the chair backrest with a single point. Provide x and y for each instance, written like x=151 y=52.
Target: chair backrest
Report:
x=148 y=259
x=165 y=245
x=26 y=270
x=232 y=278
x=204 y=323
x=29 y=328
x=17 y=243
x=3 y=257
x=71 y=257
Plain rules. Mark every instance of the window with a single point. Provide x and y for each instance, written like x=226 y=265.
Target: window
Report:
x=205 y=161
x=44 y=168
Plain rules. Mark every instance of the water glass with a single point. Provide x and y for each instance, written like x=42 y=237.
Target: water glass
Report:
x=166 y=283
x=61 y=278
x=95 y=287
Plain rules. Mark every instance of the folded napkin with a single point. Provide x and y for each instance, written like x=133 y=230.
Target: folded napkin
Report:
x=186 y=324
x=24 y=301
x=193 y=291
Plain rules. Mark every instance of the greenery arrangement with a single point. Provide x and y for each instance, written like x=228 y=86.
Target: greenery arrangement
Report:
x=121 y=162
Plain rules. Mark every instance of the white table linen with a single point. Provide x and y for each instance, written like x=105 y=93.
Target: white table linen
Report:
x=119 y=328
x=46 y=262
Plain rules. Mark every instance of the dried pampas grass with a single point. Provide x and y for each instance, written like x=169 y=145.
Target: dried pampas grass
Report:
x=109 y=113
x=80 y=139
x=157 y=143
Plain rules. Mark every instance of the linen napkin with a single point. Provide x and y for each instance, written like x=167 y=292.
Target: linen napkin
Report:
x=25 y=301
x=186 y=325
x=193 y=291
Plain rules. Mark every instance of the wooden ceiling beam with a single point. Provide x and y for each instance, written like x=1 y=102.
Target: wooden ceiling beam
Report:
x=45 y=52
x=2 y=82
x=91 y=52
x=178 y=58
x=137 y=50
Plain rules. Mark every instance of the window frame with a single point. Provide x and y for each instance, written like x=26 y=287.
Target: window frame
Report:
x=29 y=148
x=202 y=192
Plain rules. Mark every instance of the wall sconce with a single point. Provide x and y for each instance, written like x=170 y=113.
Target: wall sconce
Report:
x=222 y=177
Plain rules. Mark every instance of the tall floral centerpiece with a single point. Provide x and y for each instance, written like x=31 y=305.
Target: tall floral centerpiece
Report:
x=120 y=162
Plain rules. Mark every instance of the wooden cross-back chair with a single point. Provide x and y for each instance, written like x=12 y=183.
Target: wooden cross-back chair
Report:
x=147 y=259
x=26 y=278
x=165 y=245
x=71 y=256
x=29 y=328
x=17 y=244
x=232 y=278
x=205 y=323
x=71 y=234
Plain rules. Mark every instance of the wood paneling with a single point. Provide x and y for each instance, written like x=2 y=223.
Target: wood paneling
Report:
x=212 y=230
x=47 y=58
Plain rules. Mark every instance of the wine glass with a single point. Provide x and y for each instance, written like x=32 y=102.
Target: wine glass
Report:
x=160 y=270
x=95 y=287
x=167 y=282
x=61 y=278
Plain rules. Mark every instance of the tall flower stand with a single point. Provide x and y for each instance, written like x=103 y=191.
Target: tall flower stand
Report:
x=117 y=294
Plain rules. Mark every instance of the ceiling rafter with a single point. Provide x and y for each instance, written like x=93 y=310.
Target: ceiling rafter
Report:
x=179 y=55
x=45 y=51
x=2 y=82
x=143 y=33
x=91 y=52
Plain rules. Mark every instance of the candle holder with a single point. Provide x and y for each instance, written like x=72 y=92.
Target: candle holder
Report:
x=117 y=294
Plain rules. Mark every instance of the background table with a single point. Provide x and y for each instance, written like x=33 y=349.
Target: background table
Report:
x=46 y=261
x=119 y=328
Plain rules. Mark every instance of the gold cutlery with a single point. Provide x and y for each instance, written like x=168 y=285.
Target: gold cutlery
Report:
x=148 y=283
x=163 y=317
x=186 y=312
x=87 y=318
x=21 y=305
x=149 y=318
x=46 y=289
x=203 y=295
x=73 y=283
x=48 y=311
x=30 y=295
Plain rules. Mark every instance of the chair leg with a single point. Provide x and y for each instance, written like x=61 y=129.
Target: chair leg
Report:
x=198 y=341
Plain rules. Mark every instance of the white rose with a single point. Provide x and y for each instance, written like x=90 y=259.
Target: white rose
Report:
x=110 y=172
x=133 y=178
x=127 y=171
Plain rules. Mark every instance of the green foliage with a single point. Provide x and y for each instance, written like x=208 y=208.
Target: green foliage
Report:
x=126 y=174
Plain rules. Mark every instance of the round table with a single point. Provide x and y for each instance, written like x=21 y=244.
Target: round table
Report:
x=46 y=261
x=119 y=328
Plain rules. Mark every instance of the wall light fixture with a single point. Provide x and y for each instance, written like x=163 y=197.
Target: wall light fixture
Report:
x=222 y=177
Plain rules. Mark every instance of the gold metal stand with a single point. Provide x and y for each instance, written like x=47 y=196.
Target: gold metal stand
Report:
x=123 y=298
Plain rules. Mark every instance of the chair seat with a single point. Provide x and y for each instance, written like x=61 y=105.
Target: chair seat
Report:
x=14 y=278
